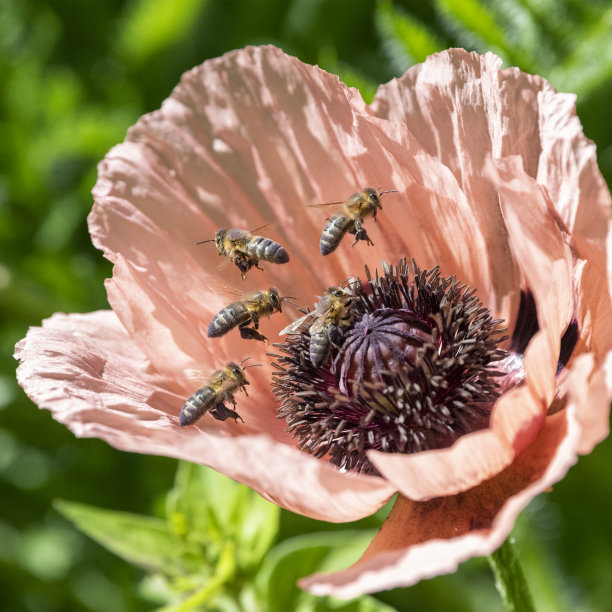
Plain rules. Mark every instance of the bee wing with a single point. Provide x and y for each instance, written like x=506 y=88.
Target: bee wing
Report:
x=318 y=325
x=226 y=291
x=298 y=325
x=324 y=204
x=224 y=263
x=262 y=227
x=197 y=377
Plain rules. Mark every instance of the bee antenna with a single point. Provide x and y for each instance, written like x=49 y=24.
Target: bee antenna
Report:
x=288 y=299
x=351 y=280
x=388 y=191
x=245 y=359
x=253 y=365
x=205 y=241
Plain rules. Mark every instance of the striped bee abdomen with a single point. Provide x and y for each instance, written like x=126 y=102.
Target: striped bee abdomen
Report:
x=196 y=406
x=332 y=234
x=227 y=318
x=266 y=249
x=319 y=346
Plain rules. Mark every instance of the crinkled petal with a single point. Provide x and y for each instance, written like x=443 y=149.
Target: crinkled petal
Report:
x=254 y=137
x=545 y=262
x=85 y=370
x=463 y=110
x=424 y=539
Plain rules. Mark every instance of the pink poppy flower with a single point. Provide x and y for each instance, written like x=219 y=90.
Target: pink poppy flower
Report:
x=497 y=186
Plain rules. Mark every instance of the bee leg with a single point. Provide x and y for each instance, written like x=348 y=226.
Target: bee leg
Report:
x=221 y=412
x=255 y=320
x=335 y=335
x=360 y=234
x=256 y=264
x=243 y=263
x=248 y=333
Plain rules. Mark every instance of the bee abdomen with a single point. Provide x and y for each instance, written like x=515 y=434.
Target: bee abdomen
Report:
x=196 y=406
x=226 y=319
x=319 y=347
x=268 y=250
x=336 y=227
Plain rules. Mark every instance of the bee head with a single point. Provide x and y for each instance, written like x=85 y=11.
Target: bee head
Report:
x=373 y=196
x=276 y=300
x=336 y=292
x=219 y=239
x=237 y=372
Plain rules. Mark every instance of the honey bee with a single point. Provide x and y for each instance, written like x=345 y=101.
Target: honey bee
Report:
x=246 y=312
x=327 y=323
x=219 y=388
x=350 y=219
x=245 y=250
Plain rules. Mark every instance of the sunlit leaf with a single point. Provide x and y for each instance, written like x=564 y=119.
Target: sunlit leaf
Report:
x=474 y=25
x=206 y=505
x=328 y=60
x=590 y=63
x=302 y=555
x=152 y=25
x=142 y=540
x=406 y=39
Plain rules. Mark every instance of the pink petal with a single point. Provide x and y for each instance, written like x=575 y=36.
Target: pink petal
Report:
x=545 y=262
x=86 y=371
x=462 y=110
x=473 y=459
x=422 y=539
x=235 y=134
x=593 y=403
x=425 y=539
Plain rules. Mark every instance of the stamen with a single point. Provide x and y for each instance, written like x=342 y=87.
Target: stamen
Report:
x=414 y=371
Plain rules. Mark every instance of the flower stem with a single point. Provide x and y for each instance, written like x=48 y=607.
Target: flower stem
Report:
x=510 y=579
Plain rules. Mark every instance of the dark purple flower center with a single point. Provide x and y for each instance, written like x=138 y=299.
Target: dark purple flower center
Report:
x=413 y=372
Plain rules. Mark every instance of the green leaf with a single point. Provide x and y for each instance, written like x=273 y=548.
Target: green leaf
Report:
x=142 y=540
x=258 y=529
x=475 y=25
x=406 y=40
x=590 y=63
x=212 y=586
x=153 y=25
x=302 y=555
x=328 y=60
x=206 y=506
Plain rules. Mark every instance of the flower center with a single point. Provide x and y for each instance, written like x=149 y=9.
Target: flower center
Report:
x=413 y=372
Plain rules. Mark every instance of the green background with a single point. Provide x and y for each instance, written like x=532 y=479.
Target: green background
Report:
x=74 y=75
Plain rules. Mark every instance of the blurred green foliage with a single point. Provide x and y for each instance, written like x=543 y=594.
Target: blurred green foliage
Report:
x=74 y=75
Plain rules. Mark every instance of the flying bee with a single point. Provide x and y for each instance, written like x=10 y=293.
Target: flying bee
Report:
x=245 y=250
x=326 y=324
x=350 y=219
x=246 y=313
x=219 y=388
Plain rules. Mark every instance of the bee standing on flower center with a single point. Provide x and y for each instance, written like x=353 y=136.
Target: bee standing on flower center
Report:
x=247 y=312
x=219 y=388
x=245 y=249
x=327 y=323
x=350 y=219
